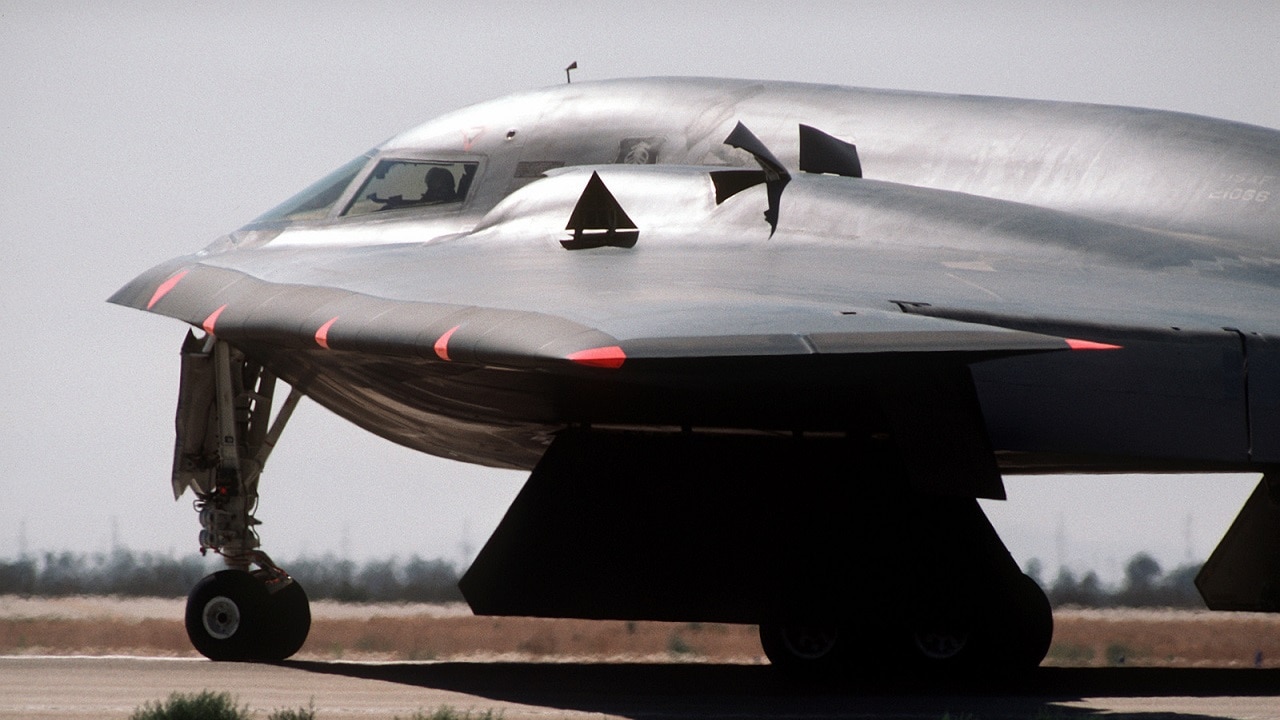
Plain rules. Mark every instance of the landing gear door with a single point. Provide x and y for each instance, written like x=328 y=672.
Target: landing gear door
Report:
x=1263 y=355
x=195 y=452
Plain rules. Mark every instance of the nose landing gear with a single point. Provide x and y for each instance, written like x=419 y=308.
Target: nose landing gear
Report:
x=235 y=615
x=224 y=438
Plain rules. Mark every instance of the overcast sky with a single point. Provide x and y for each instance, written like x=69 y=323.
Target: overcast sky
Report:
x=134 y=132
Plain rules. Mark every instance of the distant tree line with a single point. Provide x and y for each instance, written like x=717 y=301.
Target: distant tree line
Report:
x=1145 y=584
x=129 y=573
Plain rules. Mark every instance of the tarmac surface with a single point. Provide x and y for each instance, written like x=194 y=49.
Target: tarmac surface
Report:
x=49 y=688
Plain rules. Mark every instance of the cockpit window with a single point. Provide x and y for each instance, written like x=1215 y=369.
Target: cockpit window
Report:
x=396 y=184
x=314 y=202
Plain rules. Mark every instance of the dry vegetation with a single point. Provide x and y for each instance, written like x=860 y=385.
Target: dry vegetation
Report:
x=108 y=626
x=1165 y=638
x=111 y=626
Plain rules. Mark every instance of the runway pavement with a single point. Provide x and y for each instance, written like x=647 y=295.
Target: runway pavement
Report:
x=49 y=688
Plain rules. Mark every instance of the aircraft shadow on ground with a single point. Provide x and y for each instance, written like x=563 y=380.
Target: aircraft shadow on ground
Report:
x=647 y=690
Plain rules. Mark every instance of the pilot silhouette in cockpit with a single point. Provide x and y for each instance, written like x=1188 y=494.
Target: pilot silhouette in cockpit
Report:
x=439 y=186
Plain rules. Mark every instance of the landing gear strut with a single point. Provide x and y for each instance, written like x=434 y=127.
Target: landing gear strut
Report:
x=225 y=436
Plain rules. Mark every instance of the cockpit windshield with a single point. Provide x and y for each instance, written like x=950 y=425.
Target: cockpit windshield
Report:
x=315 y=201
x=396 y=184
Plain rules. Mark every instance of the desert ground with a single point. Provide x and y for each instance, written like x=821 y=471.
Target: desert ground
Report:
x=83 y=658
x=409 y=632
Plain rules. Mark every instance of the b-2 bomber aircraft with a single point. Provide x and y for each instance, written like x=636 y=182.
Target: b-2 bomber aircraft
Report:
x=762 y=346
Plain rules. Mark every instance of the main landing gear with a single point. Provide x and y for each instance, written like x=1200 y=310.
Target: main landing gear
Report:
x=935 y=592
x=253 y=610
x=1008 y=631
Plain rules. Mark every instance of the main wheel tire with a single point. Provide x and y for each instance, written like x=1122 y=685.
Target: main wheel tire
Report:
x=803 y=647
x=226 y=616
x=941 y=645
x=1026 y=627
x=1009 y=630
x=288 y=618
x=940 y=639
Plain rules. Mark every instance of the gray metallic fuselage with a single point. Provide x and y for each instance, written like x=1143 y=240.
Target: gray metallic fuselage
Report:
x=1148 y=230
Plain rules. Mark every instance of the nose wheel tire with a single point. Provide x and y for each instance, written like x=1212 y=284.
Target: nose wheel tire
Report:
x=226 y=614
x=289 y=620
x=231 y=616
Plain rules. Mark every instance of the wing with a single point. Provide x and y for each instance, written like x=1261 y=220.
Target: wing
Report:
x=243 y=309
x=483 y=381
x=865 y=310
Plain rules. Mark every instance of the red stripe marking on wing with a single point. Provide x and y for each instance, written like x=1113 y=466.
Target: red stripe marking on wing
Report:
x=1075 y=344
x=610 y=357
x=165 y=287
x=322 y=335
x=442 y=345
x=211 y=321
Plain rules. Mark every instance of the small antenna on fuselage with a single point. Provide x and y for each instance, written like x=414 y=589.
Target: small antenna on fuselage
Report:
x=572 y=66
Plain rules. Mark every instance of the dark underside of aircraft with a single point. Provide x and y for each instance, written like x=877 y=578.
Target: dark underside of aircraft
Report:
x=762 y=347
